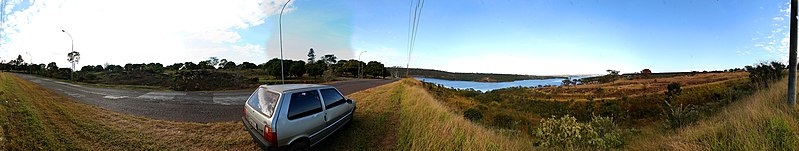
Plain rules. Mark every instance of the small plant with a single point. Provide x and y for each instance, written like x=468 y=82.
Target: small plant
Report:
x=600 y=132
x=678 y=116
x=473 y=114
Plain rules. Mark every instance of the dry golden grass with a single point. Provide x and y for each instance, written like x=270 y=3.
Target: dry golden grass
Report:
x=762 y=121
x=35 y=119
x=635 y=87
x=374 y=126
x=426 y=124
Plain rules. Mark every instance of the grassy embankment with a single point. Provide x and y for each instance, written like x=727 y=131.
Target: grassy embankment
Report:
x=762 y=121
x=403 y=116
x=34 y=118
x=399 y=116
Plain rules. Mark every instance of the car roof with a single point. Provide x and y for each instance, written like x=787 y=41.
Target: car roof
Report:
x=289 y=87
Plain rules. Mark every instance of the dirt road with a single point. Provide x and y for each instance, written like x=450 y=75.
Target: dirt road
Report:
x=174 y=105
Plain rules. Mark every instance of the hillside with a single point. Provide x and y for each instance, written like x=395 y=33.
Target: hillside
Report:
x=399 y=116
x=478 y=77
x=762 y=121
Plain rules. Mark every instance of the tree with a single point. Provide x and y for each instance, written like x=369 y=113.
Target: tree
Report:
x=19 y=61
x=174 y=67
x=212 y=61
x=207 y=64
x=374 y=69
x=311 y=56
x=88 y=68
x=114 y=68
x=52 y=68
x=247 y=65
x=190 y=66
x=73 y=57
x=98 y=68
x=646 y=73
x=273 y=67
x=297 y=68
x=228 y=65
x=316 y=69
x=566 y=82
x=611 y=76
x=329 y=59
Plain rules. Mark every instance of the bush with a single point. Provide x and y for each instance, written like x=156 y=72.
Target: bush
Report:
x=504 y=121
x=473 y=114
x=678 y=116
x=600 y=132
x=764 y=73
x=209 y=80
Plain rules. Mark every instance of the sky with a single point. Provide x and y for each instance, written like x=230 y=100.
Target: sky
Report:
x=548 y=37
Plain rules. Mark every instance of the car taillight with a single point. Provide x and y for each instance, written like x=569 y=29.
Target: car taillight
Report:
x=270 y=135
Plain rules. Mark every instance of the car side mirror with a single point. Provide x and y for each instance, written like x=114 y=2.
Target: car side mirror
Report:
x=349 y=101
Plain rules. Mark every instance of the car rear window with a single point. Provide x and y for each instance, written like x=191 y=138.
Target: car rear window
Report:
x=332 y=98
x=264 y=101
x=304 y=104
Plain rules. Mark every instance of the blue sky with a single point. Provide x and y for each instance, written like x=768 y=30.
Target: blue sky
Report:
x=520 y=37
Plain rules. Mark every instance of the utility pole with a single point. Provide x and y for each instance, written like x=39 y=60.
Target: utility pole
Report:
x=280 y=30
x=360 y=72
x=792 y=57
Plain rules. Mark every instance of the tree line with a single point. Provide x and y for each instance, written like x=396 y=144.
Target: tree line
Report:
x=327 y=64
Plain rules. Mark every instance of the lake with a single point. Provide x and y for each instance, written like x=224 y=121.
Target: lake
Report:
x=488 y=86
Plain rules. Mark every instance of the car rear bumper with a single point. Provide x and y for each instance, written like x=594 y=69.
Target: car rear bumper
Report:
x=257 y=136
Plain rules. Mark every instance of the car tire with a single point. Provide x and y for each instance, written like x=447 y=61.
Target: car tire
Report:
x=300 y=146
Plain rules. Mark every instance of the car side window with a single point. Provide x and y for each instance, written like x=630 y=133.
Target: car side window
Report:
x=332 y=98
x=303 y=104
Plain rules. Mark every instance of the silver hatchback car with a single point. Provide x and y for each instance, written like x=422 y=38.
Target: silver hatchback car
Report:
x=295 y=116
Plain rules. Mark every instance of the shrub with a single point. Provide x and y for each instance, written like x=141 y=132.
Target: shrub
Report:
x=764 y=73
x=473 y=114
x=209 y=80
x=678 y=116
x=504 y=121
x=600 y=132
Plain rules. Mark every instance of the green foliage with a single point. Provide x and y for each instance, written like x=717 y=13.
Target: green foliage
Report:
x=316 y=69
x=374 y=69
x=503 y=120
x=297 y=68
x=473 y=114
x=600 y=133
x=764 y=73
x=209 y=80
x=680 y=115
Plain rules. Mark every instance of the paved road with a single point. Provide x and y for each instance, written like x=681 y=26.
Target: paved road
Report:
x=174 y=105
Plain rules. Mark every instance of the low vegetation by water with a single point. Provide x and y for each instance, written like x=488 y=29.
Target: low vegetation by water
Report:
x=477 y=77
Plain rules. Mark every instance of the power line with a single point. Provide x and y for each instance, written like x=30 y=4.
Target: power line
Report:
x=413 y=26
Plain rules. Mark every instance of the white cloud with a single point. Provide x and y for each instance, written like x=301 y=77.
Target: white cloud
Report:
x=120 y=32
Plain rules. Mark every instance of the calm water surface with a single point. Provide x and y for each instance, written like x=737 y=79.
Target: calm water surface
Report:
x=488 y=86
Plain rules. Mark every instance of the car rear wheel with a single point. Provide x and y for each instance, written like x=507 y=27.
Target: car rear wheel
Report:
x=300 y=146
